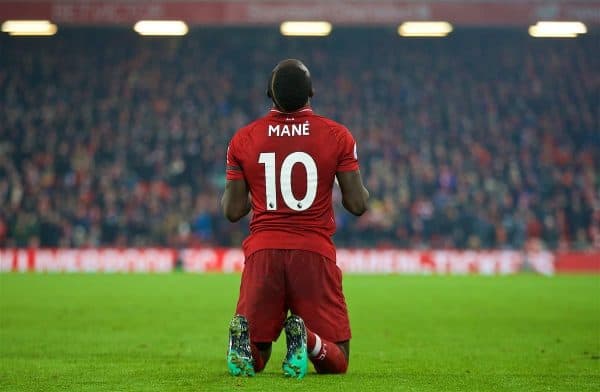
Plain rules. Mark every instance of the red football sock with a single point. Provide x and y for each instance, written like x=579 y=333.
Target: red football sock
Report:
x=325 y=355
x=259 y=363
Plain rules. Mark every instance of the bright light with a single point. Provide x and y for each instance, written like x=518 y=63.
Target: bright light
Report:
x=161 y=27
x=29 y=27
x=557 y=29
x=315 y=29
x=424 y=29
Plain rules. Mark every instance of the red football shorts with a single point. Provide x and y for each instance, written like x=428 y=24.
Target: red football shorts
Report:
x=306 y=283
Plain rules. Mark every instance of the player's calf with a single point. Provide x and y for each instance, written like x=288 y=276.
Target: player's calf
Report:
x=326 y=356
x=261 y=352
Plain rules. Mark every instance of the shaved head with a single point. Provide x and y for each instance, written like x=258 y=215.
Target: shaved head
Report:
x=290 y=85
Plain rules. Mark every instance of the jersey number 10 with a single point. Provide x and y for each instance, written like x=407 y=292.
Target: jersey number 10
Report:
x=285 y=180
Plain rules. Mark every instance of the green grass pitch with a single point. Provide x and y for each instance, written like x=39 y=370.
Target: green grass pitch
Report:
x=413 y=333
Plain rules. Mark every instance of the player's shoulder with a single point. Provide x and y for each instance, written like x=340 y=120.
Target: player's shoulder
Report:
x=244 y=134
x=335 y=128
x=326 y=121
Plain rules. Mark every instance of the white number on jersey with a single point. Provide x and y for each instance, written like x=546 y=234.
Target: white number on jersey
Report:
x=285 y=180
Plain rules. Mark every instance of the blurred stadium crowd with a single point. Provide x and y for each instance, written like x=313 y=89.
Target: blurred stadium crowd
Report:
x=486 y=139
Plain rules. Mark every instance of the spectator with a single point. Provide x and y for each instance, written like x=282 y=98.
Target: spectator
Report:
x=475 y=141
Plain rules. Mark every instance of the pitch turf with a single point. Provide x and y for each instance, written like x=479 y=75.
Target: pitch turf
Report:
x=169 y=333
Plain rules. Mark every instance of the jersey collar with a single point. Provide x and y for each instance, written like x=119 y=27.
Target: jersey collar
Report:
x=300 y=112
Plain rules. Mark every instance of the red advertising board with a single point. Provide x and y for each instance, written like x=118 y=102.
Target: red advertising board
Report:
x=88 y=260
x=574 y=262
x=360 y=261
x=381 y=12
x=212 y=260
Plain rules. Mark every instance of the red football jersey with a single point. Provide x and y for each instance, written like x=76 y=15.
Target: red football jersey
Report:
x=289 y=161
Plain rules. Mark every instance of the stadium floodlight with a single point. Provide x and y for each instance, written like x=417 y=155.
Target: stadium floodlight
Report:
x=557 y=29
x=29 y=27
x=311 y=29
x=424 y=29
x=161 y=27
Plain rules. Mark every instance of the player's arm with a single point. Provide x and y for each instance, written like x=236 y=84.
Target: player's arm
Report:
x=354 y=194
x=235 y=201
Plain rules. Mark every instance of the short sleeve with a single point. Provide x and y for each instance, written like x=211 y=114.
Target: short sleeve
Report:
x=347 y=156
x=234 y=168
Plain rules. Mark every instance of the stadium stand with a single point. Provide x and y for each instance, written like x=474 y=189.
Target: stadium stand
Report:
x=485 y=139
